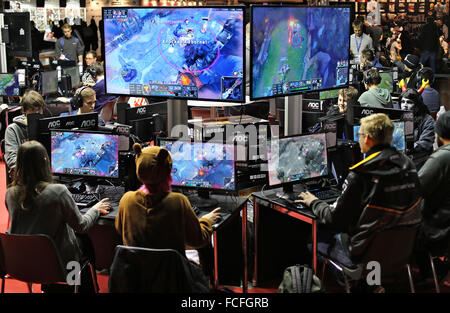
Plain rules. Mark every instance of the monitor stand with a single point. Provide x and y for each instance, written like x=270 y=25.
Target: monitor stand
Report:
x=289 y=193
x=203 y=200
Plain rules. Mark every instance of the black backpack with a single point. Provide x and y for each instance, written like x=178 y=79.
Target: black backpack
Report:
x=300 y=279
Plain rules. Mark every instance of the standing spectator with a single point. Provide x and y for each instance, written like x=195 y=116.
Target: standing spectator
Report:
x=443 y=29
x=68 y=47
x=374 y=15
x=36 y=42
x=94 y=28
x=429 y=44
x=359 y=41
x=86 y=78
x=88 y=35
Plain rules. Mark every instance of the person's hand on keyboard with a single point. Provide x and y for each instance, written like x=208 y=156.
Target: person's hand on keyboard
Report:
x=103 y=206
x=306 y=198
x=214 y=216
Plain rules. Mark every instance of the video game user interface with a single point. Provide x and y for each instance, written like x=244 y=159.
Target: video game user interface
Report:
x=9 y=85
x=329 y=94
x=387 y=82
x=298 y=49
x=86 y=154
x=398 y=136
x=297 y=158
x=192 y=53
x=202 y=165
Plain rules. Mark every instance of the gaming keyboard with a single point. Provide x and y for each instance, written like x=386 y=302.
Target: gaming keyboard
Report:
x=326 y=194
x=85 y=199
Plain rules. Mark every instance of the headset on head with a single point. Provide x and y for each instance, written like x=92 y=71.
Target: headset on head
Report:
x=77 y=101
x=367 y=79
x=421 y=73
x=92 y=72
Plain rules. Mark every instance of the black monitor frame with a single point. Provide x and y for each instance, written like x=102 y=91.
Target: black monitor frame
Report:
x=73 y=68
x=203 y=191
x=343 y=5
x=84 y=131
x=394 y=121
x=288 y=186
x=177 y=8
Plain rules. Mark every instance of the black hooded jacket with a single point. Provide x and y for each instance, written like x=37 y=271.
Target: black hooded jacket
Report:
x=380 y=192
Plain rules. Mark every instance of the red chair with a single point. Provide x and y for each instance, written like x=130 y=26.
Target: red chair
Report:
x=34 y=259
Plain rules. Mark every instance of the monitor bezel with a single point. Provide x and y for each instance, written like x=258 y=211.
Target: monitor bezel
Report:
x=176 y=8
x=215 y=190
x=252 y=98
x=79 y=175
x=393 y=122
x=300 y=181
x=16 y=79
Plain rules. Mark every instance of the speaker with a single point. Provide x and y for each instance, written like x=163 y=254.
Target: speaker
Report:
x=62 y=3
x=40 y=3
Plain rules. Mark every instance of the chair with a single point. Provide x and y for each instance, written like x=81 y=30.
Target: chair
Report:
x=147 y=270
x=392 y=248
x=104 y=239
x=433 y=270
x=34 y=259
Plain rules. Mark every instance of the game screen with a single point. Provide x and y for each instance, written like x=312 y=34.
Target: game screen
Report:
x=298 y=49
x=74 y=73
x=202 y=165
x=9 y=85
x=49 y=82
x=297 y=158
x=87 y=154
x=398 y=137
x=329 y=94
x=191 y=53
x=387 y=81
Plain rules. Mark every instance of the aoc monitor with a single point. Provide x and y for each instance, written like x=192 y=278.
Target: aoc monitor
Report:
x=86 y=154
x=297 y=49
x=49 y=82
x=398 y=136
x=9 y=85
x=74 y=74
x=175 y=52
x=297 y=158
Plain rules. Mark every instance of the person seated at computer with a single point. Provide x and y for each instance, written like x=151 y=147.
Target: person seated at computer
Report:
x=424 y=123
x=154 y=216
x=37 y=205
x=82 y=102
x=348 y=225
x=86 y=78
x=98 y=74
x=359 y=41
x=411 y=66
x=17 y=132
x=68 y=47
x=430 y=96
x=346 y=96
x=374 y=96
x=368 y=60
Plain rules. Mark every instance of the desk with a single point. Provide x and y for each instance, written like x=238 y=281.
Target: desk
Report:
x=231 y=208
x=269 y=199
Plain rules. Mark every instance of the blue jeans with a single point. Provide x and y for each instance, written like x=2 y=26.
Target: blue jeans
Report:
x=428 y=58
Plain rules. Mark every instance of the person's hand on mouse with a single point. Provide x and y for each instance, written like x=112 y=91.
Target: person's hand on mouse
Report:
x=214 y=216
x=102 y=206
x=306 y=198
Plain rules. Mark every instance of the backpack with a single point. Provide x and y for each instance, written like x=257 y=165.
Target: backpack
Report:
x=300 y=279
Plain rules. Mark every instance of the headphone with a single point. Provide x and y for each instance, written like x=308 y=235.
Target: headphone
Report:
x=77 y=101
x=423 y=72
x=367 y=79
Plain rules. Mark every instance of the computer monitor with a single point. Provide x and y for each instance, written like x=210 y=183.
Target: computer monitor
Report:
x=9 y=85
x=85 y=154
x=74 y=74
x=387 y=81
x=177 y=52
x=49 y=82
x=203 y=166
x=148 y=128
x=398 y=136
x=297 y=49
x=19 y=33
x=296 y=159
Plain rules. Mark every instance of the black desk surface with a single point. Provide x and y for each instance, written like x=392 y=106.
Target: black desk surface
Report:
x=272 y=197
x=230 y=205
